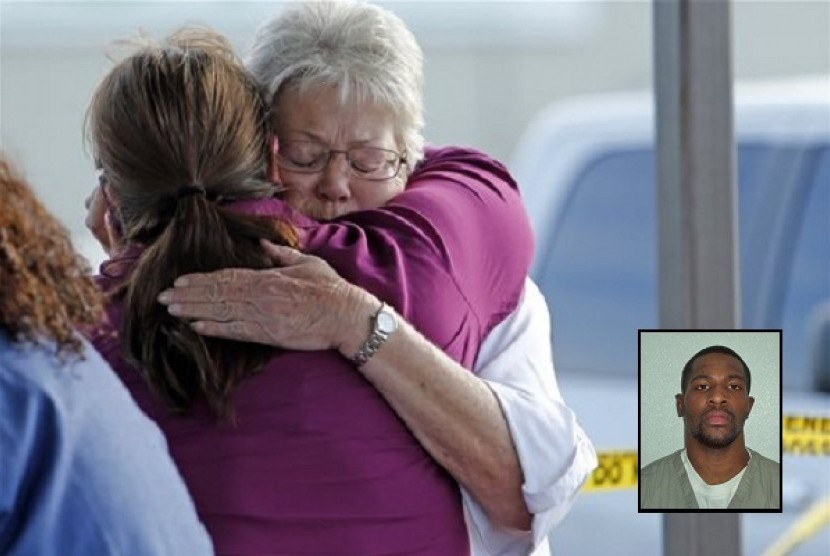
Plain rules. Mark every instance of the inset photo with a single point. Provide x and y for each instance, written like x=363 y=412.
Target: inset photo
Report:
x=710 y=420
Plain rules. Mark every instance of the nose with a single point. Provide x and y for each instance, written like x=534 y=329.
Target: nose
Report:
x=334 y=183
x=717 y=395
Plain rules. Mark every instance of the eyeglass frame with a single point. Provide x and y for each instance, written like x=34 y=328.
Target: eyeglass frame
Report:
x=400 y=159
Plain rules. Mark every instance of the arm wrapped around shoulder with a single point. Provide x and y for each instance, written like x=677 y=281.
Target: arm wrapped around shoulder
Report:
x=472 y=214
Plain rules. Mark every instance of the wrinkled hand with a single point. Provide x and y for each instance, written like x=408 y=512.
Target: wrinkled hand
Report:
x=303 y=304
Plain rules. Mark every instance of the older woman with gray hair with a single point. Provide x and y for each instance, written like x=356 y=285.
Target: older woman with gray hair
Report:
x=345 y=82
x=290 y=451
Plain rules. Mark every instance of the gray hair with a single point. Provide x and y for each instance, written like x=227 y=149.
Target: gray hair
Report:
x=364 y=51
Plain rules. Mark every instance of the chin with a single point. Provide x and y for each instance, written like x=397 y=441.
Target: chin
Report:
x=324 y=215
x=716 y=441
x=310 y=208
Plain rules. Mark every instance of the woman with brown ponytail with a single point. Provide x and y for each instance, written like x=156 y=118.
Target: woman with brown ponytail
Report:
x=180 y=130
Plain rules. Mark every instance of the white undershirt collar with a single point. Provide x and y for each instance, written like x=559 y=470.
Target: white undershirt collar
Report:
x=714 y=497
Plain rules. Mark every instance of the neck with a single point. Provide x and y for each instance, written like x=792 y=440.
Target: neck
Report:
x=717 y=465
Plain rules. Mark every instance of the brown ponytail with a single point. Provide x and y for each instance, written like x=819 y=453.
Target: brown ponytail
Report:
x=178 y=363
x=179 y=117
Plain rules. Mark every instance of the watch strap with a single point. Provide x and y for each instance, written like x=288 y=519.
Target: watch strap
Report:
x=376 y=339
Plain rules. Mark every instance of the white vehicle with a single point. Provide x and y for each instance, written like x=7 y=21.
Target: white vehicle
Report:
x=586 y=169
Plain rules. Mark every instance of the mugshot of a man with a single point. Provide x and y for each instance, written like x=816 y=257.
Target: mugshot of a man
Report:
x=715 y=469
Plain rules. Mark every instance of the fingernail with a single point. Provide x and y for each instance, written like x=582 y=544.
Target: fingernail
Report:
x=198 y=326
x=181 y=281
x=164 y=297
x=174 y=309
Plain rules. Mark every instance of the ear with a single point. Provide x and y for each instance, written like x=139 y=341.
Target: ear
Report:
x=273 y=170
x=751 y=403
x=681 y=408
x=114 y=233
x=112 y=218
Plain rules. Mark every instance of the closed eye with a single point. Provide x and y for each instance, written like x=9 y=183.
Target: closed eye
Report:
x=308 y=161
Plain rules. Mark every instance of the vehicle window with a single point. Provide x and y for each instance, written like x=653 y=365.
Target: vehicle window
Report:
x=599 y=270
x=809 y=283
x=599 y=274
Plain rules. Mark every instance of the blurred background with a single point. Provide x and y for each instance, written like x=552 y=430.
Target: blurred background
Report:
x=544 y=86
x=490 y=66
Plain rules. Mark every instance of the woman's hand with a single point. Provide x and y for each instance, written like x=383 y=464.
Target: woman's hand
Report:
x=305 y=305
x=302 y=304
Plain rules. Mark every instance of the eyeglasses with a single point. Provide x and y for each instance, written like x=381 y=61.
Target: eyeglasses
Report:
x=309 y=157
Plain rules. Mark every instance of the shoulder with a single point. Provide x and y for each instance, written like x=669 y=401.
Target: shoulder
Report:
x=465 y=181
x=761 y=485
x=660 y=466
x=470 y=201
x=62 y=386
x=33 y=406
x=28 y=369
x=63 y=421
x=474 y=218
x=763 y=462
x=462 y=191
x=461 y=164
x=434 y=154
x=69 y=389
x=23 y=396
x=658 y=482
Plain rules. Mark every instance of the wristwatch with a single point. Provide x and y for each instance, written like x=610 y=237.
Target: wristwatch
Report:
x=383 y=325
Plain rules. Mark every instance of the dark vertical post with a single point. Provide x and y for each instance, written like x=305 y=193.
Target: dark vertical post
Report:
x=696 y=194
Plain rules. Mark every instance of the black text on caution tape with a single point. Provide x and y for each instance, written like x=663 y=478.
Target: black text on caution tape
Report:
x=806 y=435
x=615 y=470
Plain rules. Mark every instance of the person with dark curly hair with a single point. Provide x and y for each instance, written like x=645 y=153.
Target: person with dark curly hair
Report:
x=82 y=470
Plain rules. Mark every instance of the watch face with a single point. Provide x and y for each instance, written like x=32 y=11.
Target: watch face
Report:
x=387 y=322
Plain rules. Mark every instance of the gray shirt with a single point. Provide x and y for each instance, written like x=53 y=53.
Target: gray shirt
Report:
x=664 y=484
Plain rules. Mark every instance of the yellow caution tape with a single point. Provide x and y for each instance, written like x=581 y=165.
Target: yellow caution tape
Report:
x=615 y=470
x=802 y=435
x=805 y=527
x=806 y=435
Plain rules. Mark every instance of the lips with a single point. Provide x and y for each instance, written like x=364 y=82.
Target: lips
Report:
x=717 y=417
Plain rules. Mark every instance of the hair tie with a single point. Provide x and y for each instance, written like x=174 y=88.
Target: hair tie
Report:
x=188 y=190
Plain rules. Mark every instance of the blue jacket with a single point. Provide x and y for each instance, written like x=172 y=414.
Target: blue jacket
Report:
x=82 y=470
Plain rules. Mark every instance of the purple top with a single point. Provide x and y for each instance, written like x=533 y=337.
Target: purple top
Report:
x=318 y=463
